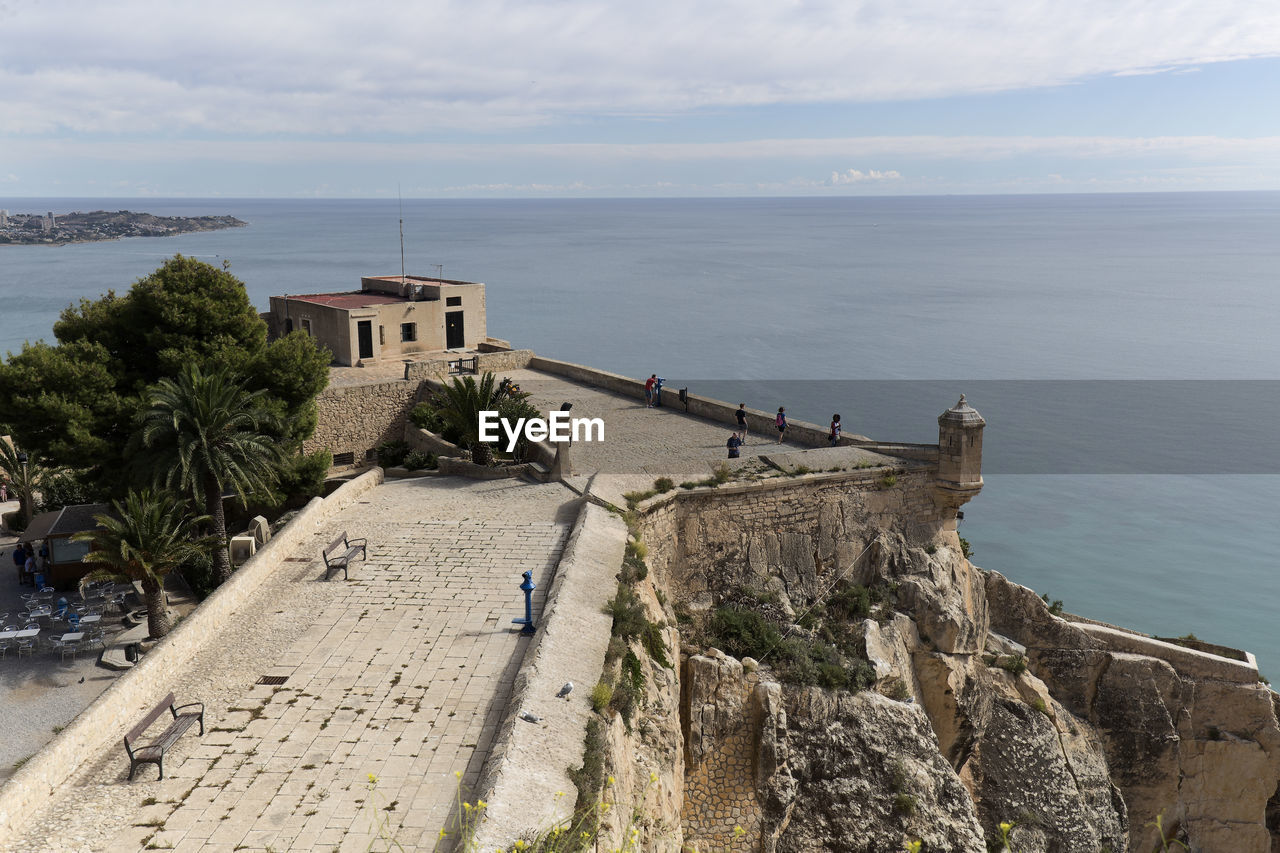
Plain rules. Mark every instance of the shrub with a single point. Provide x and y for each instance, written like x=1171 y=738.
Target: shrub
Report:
x=965 y=549
x=419 y=459
x=663 y=484
x=1055 y=606
x=197 y=571
x=600 y=696
x=904 y=804
x=722 y=474
x=743 y=633
x=428 y=417
x=655 y=645
x=888 y=481
x=391 y=453
x=1014 y=664
x=627 y=610
x=895 y=688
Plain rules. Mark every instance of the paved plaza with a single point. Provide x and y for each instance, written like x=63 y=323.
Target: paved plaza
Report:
x=402 y=672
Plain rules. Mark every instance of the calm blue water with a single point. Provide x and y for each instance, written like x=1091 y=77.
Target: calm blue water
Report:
x=1130 y=501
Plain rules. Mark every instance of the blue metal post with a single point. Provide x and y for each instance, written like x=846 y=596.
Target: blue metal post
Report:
x=528 y=586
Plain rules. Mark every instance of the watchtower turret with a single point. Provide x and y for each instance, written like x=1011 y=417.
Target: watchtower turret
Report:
x=959 y=456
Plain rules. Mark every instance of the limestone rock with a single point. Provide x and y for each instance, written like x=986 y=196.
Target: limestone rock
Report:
x=863 y=773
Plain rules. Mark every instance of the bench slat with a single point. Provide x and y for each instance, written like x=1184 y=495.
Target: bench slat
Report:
x=136 y=732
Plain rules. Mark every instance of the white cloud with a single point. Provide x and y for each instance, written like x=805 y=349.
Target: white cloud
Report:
x=250 y=69
x=1208 y=149
x=856 y=176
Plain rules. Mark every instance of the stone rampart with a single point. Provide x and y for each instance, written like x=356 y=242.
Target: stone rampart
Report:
x=734 y=533
x=355 y=419
x=135 y=692
x=759 y=421
x=527 y=764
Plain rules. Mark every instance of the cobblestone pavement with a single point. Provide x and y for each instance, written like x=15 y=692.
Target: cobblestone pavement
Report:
x=401 y=672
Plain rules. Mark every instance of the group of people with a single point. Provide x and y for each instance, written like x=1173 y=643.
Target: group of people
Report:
x=739 y=436
x=653 y=391
x=24 y=560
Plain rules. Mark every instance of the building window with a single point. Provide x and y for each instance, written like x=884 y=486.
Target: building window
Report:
x=451 y=301
x=382 y=336
x=288 y=325
x=306 y=327
x=408 y=331
x=344 y=459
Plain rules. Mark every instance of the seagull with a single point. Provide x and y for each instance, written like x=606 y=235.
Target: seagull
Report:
x=81 y=681
x=565 y=691
x=529 y=716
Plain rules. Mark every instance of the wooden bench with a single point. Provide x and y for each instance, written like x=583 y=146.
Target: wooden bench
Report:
x=153 y=752
x=341 y=552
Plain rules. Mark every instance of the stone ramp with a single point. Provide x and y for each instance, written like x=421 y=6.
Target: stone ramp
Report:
x=402 y=673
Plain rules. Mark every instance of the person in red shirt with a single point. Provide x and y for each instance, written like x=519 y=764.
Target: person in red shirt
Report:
x=648 y=389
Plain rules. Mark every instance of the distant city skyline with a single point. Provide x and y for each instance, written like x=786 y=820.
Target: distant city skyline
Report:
x=491 y=99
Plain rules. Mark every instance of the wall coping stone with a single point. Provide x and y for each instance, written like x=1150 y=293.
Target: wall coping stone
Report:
x=528 y=761
x=861 y=475
x=1187 y=661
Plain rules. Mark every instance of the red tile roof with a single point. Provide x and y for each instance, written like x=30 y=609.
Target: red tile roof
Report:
x=353 y=299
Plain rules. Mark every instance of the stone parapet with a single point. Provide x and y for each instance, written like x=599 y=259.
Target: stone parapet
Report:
x=758 y=421
x=1192 y=662
x=528 y=762
x=135 y=692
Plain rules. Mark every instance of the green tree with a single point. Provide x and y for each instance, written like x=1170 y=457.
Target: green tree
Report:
x=25 y=478
x=207 y=434
x=77 y=401
x=460 y=403
x=147 y=536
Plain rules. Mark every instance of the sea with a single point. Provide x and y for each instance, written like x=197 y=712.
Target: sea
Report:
x=1122 y=348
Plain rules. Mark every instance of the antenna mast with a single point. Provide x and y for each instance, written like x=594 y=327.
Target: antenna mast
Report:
x=401 y=200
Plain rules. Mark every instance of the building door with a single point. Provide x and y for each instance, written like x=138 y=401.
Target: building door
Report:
x=364 y=330
x=453 y=335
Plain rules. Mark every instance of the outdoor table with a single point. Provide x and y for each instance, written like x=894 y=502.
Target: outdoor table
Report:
x=74 y=637
x=27 y=632
x=90 y=619
x=8 y=635
x=37 y=612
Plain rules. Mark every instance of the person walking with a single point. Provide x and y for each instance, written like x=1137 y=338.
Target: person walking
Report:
x=741 y=415
x=834 y=435
x=648 y=390
x=781 y=421
x=734 y=444
x=19 y=562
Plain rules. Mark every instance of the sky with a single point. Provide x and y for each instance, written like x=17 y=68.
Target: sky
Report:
x=568 y=98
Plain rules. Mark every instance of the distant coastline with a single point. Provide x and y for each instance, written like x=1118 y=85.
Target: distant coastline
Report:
x=27 y=229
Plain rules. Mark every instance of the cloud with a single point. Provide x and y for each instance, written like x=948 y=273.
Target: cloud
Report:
x=854 y=176
x=1207 y=149
x=298 y=69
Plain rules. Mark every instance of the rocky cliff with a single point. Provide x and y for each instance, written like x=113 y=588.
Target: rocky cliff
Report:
x=979 y=707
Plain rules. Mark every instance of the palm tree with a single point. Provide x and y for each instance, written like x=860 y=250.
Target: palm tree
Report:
x=460 y=403
x=204 y=433
x=147 y=537
x=24 y=475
